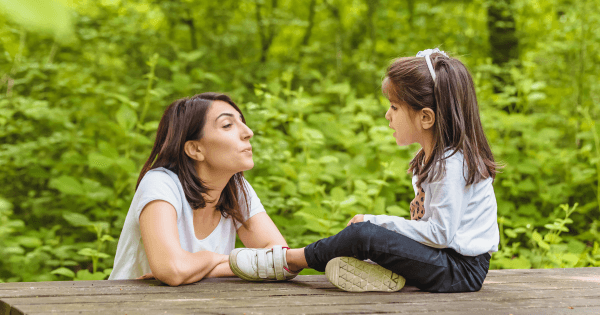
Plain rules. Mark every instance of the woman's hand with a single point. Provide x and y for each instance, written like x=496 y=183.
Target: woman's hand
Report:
x=357 y=218
x=146 y=277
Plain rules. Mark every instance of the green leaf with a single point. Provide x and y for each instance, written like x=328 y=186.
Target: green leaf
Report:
x=150 y=126
x=360 y=186
x=338 y=194
x=77 y=219
x=397 y=211
x=63 y=272
x=328 y=159
x=306 y=188
x=29 y=241
x=44 y=16
x=87 y=275
x=92 y=253
x=67 y=185
x=510 y=233
x=126 y=117
x=350 y=201
x=107 y=237
x=99 y=161
x=515 y=263
x=379 y=206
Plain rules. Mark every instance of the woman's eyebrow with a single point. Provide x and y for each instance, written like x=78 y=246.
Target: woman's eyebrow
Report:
x=224 y=114
x=227 y=114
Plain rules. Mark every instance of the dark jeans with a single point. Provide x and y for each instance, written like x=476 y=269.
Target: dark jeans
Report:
x=427 y=268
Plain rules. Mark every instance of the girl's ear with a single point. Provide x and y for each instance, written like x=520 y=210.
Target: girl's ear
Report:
x=193 y=150
x=427 y=117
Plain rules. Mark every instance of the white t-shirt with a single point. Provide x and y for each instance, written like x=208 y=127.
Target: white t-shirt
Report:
x=162 y=184
x=457 y=216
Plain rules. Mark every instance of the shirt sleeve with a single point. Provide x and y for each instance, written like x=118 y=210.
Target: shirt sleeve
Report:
x=157 y=185
x=446 y=209
x=253 y=208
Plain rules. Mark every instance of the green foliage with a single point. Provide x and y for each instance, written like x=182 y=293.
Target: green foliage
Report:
x=78 y=117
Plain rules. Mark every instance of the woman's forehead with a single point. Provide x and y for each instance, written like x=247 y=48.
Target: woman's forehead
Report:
x=220 y=107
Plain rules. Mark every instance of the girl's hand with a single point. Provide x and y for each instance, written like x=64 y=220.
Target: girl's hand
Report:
x=357 y=218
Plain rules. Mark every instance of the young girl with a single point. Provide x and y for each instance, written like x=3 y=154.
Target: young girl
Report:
x=191 y=197
x=446 y=245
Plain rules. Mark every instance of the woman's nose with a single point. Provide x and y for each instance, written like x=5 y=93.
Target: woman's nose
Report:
x=247 y=132
x=387 y=115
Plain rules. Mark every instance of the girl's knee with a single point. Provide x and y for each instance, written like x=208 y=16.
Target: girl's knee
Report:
x=361 y=233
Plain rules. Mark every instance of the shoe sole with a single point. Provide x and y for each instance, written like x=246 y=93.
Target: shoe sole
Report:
x=236 y=270
x=353 y=275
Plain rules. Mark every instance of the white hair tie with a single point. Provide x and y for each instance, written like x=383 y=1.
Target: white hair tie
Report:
x=425 y=53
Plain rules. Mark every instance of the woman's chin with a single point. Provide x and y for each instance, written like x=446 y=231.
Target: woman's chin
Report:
x=249 y=166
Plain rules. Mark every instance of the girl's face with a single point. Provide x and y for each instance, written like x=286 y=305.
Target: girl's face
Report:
x=226 y=140
x=404 y=124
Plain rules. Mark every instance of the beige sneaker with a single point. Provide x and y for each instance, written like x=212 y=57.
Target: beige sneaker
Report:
x=353 y=275
x=259 y=264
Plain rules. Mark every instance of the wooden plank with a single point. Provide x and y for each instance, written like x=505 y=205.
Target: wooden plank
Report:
x=242 y=286
x=365 y=298
x=550 y=291
x=295 y=305
x=308 y=297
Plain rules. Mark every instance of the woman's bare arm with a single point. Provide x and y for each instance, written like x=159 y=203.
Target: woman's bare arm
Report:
x=261 y=232
x=168 y=261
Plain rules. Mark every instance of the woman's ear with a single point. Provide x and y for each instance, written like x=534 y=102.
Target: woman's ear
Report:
x=193 y=150
x=427 y=117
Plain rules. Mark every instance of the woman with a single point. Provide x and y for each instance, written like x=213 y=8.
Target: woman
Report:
x=191 y=197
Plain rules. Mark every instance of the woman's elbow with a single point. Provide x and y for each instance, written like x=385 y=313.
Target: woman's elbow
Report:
x=169 y=275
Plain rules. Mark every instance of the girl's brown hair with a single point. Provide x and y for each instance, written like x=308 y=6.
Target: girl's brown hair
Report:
x=457 y=124
x=182 y=121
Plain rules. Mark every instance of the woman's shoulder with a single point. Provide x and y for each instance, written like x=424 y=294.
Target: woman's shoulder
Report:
x=159 y=177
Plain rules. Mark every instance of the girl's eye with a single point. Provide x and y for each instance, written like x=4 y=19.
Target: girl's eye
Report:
x=227 y=126
x=393 y=107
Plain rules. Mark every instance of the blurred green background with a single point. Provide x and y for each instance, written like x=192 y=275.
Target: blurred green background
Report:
x=83 y=84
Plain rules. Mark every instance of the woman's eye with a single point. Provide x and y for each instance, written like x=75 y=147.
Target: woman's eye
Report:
x=393 y=107
x=227 y=126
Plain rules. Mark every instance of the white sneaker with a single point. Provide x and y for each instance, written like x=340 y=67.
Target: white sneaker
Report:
x=259 y=264
x=353 y=275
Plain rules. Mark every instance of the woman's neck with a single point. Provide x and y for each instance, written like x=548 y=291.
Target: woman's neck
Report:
x=215 y=182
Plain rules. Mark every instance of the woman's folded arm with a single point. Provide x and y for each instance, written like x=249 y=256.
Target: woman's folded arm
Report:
x=169 y=262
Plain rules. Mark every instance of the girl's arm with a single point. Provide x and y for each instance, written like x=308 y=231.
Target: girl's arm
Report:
x=445 y=207
x=169 y=262
x=260 y=232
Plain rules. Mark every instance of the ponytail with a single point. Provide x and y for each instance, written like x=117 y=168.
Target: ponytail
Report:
x=445 y=86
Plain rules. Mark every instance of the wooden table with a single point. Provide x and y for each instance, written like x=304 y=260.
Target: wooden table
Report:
x=550 y=291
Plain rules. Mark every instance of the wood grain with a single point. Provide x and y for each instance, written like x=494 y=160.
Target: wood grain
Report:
x=539 y=291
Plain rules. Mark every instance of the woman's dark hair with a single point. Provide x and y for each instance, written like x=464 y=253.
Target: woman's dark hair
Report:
x=457 y=124
x=182 y=121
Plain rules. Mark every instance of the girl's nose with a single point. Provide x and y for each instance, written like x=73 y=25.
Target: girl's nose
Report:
x=387 y=114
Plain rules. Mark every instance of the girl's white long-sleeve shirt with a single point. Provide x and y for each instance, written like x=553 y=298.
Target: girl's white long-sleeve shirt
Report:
x=457 y=216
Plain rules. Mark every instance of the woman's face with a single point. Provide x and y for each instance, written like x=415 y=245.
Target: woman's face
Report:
x=225 y=140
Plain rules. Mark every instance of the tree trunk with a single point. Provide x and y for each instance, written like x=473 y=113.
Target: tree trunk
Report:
x=504 y=43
